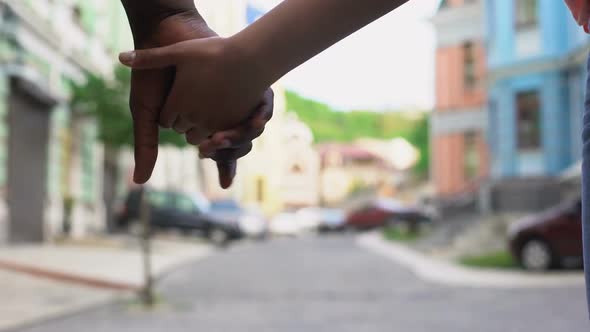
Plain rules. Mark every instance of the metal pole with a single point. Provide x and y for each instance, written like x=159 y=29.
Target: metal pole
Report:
x=148 y=287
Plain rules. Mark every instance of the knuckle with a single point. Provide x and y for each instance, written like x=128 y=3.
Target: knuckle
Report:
x=191 y=140
x=258 y=132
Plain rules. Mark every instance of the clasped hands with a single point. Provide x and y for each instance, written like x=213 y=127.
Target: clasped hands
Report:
x=193 y=86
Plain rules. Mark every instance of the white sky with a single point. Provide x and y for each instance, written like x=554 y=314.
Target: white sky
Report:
x=387 y=65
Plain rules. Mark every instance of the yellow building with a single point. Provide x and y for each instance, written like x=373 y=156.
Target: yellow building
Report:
x=349 y=168
x=259 y=179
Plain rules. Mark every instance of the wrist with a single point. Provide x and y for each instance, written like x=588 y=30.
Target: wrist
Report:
x=146 y=17
x=156 y=9
x=248 y=55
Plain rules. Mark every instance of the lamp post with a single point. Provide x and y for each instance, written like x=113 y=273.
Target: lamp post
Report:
x=147 y=293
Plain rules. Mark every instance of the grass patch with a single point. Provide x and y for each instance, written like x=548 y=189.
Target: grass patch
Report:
x=398 y=234
x=500 y=259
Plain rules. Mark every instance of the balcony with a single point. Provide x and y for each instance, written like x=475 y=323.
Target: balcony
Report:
x=527 y=42
x=455 y=25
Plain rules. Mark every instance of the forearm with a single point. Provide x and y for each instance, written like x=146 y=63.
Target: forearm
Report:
x=145 y=15
x=297 y=30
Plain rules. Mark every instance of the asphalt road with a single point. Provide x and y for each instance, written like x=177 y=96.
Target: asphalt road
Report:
x=327 y=284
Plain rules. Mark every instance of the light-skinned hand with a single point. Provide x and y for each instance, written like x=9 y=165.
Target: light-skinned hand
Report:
x=150 y=88
x=212 y=90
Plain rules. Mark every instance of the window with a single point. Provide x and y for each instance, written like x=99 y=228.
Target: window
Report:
x=184 y=204
x=296 y=169
x=471 y=155
x=77 y=15
x=158 y=199
x=526 y=14
x=528 y=119
x=260 y=190
x=469 y=66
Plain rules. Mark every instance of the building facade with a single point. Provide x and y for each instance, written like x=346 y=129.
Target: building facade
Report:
x=458 y=127
x=282 y=169
x=536 y=58
x=50 y=159
x=301 y=174
x=350 y=169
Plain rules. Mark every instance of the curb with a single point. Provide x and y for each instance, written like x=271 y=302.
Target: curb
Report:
x=449 y=274
x=68 y=278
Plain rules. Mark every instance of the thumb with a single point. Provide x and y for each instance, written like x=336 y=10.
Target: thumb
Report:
x=154 y=58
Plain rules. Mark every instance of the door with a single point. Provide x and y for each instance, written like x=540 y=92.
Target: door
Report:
x=162 y=212
x=570 y=232
x=28 y=121
x=187 y=213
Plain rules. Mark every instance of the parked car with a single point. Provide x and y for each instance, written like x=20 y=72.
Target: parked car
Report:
x=174 y=210
x=251 y=223
x=285 y=224
x=309 y=219
x=545 y=240
x=382 y=212
x=332 y=220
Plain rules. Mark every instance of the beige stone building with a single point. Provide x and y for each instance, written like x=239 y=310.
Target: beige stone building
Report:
x=348 y=168
x=282 y=169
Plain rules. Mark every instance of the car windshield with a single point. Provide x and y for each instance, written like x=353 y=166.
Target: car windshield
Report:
x=225 y=206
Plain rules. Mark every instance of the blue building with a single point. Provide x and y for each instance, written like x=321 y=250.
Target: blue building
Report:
x=536 y=61
x=536 y=58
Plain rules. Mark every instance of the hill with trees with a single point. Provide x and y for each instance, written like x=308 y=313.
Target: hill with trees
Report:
x=330 y=125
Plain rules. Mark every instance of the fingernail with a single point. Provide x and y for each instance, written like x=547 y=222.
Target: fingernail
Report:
x=227 y=180
x=138 y=178
x=127 y=58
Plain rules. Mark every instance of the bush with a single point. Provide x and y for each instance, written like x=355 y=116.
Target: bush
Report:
x=398 y=234
x=500 y=259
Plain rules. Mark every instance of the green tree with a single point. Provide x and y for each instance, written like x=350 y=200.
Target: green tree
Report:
x=330 y=125
x=108 y=101
x=420 y=138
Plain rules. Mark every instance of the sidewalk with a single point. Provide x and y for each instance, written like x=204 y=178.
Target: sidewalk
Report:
x=28 y=299
x=450 y=274
x=44 y=281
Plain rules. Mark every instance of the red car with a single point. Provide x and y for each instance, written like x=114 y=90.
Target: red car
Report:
x=548 y=239
x=384 y=211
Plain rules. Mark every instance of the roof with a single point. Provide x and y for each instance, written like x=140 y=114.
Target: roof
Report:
x=351 y=152
x=347 y=150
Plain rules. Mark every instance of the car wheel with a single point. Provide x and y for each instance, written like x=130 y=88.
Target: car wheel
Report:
x=536 y=255
x=186 y=232
x=218 y=237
